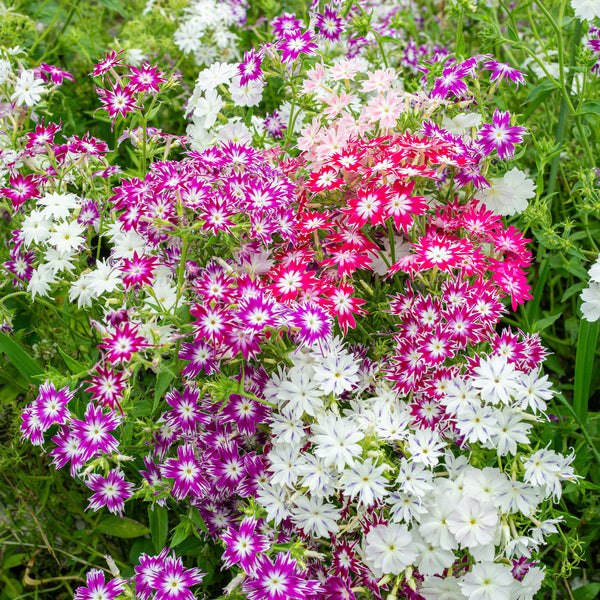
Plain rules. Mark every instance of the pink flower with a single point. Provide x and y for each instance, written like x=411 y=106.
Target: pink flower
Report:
x=110 y=491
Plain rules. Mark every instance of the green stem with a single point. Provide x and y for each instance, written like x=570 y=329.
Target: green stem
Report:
x=49 y=28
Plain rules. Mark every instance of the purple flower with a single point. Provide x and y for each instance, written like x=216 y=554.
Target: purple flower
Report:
x=503 y=70
x=94 y=432
x=111 y=491
x=146 y=571
x=98 y=588
x=187 y=472
x=172 y=581
x=51 y=405
x=67 y=449
x=500 y=135
x=330 y=24
x=279 y=581
x=296 y=43
x=250 y=68
x=244 y=545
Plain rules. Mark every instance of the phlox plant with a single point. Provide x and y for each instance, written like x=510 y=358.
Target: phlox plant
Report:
x=292 y=319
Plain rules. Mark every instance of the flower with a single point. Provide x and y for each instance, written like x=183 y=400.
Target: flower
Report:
x=98 y=589
x=389 y=549
x=110 y=491
x=586 y=10
x=500 y=136
x=28 y=89
x=488 y=581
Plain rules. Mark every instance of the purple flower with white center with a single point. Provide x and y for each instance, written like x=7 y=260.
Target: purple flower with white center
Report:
x=500 y=70
x=98 y=589
x=187 y=471
x=110 y=491
x=201 y=357
x=94 y=432
x=451 y=83
x=21 y=266
x=228 y=469
x=186 y=413
x=51 y=405
x=31 y=427
x=274 y=125
x=172 y=581
x=67 y=449
x=500 y=136
x=146 y=571
x=330 y=24
x=244 y=545
x=314 y=324
x=152 y=476
x=296 y=43
x=250 y=69
x=245 y=412
x=285 y=24
x=279 y=581
x=521 y=566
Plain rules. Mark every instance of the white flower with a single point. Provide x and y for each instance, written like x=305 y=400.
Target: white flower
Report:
x=273 y=500
x=59 y=262
x=438 y=588
x=476 y=423
x=188 y=36
x=406 y=507
x=518 y=497
x=509 y=431
x=234 y=131
x=105 y=278
x=586 y=10
x=425 y=447
x=299 y=393
x=66 y=236
x=594 y=272
x=366 y=481
x=434 y=524
x=217 y=74
x=208 y=107
x=58 y=206
x=462 y=123
x=488 y=581
x=389 y=549
x=246 y=95
x=473 y=523
x=285 y=462
x=28 y=89
x=135 y=57
x=414 y=478
x=40 y=281
x=5 y=69
x=83 y=290
x=36 y=227
x=337 y=373
x=287 y=430
x=531 y=583
x=336 y=441
x=432 y=560
x=317 y=476
x=496 y=379
x=533 y=391
x=591 y=302
x=484 y=484
x=541 y=467
x=315 y=517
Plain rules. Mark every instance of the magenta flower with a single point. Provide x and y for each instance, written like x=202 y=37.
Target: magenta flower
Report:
x=187 y=472
x=250 y=69
x=146 y=571
x=111 y=491
x=296 y=43
x=94 y=432
x=118 y=101
x=51 y=405
x=98 y=588
x=123 y=343
x=107 y=385
x=172 y=581
x=56 y=75
x=244 y=545
x=110 y=61
x=146 y=79
x=279 y=581
x=500 y=70
x=313 y=322
x=67 y=449
x=500 y=135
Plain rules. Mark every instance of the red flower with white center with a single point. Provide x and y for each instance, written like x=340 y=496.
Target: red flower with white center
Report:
x=350 y=159
x=245 y=413
x=289 y=280
x=146 y=79
x=212 y=322
x=441 y=251
x=244 y=341
x=110 y=61
x=88 y=145
x=401 y=205
x=123 y=343
x=43 y=134
x=312 y=221
x=94 y=432
x=347 y=260
x=463 y=325
x=512 y=281
x=138 y=270
x=186 y=413
x=107 y=386
x=325 y=179
x=367 y=206
x=437 y=346
x=511 y=242
x=23 y=188
x=258 y=313
x=345 y=306
x=118 y=101
x=56 y=75
x=172 y=581
x=479 y=221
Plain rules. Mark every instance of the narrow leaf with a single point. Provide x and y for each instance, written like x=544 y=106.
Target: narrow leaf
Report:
x=20 y=358
x=584 y=367
x=159 y=526
x=122 y=528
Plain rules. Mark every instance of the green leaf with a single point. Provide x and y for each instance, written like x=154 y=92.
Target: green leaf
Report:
x=584 y=367
x=162 y=383
x=545 y=323
x=589 y=107
x=181 y=533
x=73 y=365
x=586 y=592
x=116 y=6
x=537 y=95
x=572 y=290
x=159 y=526
x=123 y=528
x=197 y=520
x=20 y=358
